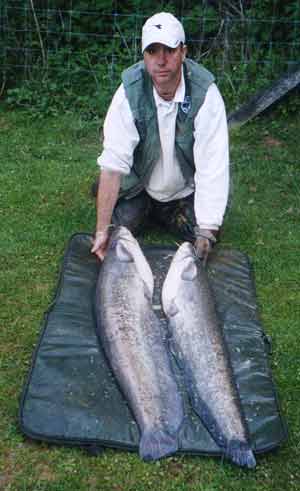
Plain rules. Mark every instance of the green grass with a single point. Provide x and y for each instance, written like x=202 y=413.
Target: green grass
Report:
x=46 y=170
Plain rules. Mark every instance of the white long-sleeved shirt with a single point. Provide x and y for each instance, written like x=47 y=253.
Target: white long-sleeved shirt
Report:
x=211 y=155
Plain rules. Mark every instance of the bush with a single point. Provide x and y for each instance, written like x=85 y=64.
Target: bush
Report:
x=69 y=56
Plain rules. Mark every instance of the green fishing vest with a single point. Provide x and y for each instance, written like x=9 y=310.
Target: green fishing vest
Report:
x=139 y=92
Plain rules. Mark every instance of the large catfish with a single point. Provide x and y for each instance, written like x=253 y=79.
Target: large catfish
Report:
x=133 y=341
x=198 y=345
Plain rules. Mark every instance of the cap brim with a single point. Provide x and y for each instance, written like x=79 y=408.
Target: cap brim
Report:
x=161 y=40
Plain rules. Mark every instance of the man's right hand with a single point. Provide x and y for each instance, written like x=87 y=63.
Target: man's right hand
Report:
x=100 y=244
x=109 y=185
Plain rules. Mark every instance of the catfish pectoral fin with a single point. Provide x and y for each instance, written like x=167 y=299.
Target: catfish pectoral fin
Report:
x=173 y=309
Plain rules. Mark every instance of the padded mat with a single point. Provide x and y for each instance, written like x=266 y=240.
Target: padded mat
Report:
x=71 y=396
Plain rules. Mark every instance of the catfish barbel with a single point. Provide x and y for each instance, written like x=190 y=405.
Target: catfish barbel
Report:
x=199 y=346
x=133 y=341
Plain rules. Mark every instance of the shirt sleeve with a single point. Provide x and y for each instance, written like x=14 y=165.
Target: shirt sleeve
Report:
x=120 y=135
x=211 y=155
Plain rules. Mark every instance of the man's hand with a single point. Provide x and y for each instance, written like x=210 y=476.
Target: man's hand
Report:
x=109 y=185
x=100 y=244
x=204 y=243
x=202 y=248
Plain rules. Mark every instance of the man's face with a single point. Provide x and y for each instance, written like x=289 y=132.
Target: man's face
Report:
x=164 y=64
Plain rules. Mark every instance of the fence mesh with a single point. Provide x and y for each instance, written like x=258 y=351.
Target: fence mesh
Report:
x=77 y=44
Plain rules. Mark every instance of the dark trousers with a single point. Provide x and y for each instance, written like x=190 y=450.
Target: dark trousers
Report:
x=176 y=216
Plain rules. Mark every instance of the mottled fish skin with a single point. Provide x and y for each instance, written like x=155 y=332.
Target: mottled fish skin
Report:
x=133 y=341
x=199 y=347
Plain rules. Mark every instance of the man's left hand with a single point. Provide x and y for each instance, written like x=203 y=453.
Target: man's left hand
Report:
x=205 y=240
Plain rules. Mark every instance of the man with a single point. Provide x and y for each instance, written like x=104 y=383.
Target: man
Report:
x=165 y=150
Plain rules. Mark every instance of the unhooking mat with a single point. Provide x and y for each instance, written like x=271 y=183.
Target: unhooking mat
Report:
x=71 y=396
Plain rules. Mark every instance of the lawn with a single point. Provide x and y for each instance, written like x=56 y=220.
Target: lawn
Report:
x=47 y=166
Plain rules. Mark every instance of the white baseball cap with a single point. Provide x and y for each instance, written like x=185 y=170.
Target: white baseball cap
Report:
x=162 y=28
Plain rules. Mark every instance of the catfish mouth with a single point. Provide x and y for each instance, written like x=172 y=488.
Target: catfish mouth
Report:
x=185 y=251
x=128 y=250
x=120 y=233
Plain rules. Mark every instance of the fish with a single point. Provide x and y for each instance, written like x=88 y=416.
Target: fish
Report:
x=136 y=347
x=198 y=345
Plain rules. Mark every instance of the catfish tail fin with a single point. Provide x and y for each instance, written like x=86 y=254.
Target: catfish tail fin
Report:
x=157 y=444
x=241 y=454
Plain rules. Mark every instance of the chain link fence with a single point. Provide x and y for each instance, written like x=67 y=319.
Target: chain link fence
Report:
x=82 y=46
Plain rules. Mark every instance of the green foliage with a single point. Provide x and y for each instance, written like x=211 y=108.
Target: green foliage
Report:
x=68 y=55
x=70 y=83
